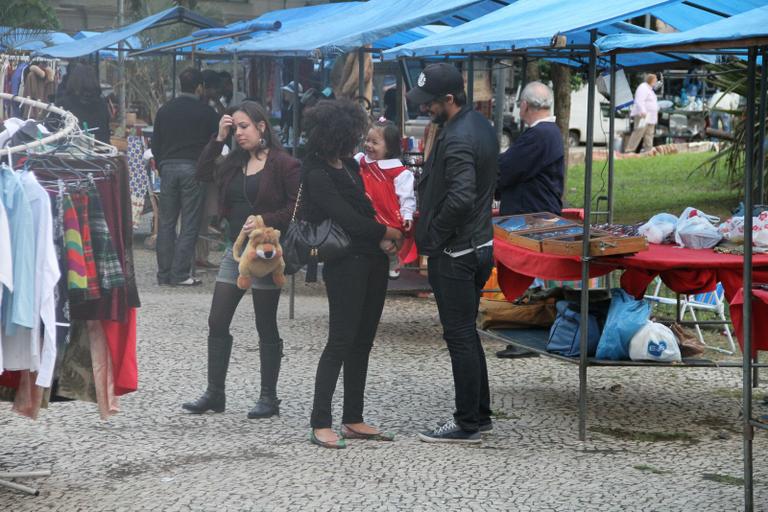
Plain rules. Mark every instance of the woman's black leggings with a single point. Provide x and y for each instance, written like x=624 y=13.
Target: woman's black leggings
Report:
x=356 y=286
x=227 y=296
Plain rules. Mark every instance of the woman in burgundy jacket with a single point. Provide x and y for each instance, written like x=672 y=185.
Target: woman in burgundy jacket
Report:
x=256 y=178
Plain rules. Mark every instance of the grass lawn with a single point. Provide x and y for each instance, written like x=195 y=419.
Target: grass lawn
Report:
x=647 y=186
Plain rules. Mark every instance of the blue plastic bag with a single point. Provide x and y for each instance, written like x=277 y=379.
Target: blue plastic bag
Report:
x=626 y=316
x=565 y=334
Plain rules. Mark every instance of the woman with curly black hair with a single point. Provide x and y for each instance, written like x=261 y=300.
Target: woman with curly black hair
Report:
x=356 y=284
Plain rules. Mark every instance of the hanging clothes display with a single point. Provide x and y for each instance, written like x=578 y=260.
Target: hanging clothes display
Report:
x=67 y=221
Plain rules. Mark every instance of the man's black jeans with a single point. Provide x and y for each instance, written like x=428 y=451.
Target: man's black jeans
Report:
x=356 y=286
x=180 y=193
x=456 y=283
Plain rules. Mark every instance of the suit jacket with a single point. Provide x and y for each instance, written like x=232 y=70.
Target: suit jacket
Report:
x=531 y=172
x=456 y=186
x=278 y=184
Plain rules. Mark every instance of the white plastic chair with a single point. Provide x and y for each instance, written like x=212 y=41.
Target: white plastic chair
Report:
x=710 y=301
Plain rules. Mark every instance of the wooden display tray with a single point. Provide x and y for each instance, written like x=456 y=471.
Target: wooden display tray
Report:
x=548 y=233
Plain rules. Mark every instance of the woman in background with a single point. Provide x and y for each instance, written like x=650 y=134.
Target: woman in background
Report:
x=82 y=97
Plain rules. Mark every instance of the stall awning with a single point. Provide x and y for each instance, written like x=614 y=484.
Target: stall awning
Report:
x=351 y=25
x=14 y=38
x=289 y=19
x=526 y=24
x=685 y=15
x=742 y=30
x=635 y=60
x=79 y=48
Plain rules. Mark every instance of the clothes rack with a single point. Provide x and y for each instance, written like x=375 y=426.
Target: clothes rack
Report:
x=78 y=141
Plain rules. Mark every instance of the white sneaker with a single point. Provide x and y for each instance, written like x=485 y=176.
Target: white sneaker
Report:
x=394 y=274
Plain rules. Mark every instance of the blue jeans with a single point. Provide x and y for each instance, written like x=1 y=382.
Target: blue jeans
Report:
x=456 y=283
x=180 y=194
x=723 y=117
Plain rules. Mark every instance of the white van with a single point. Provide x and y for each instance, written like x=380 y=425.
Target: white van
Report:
x=577 y=126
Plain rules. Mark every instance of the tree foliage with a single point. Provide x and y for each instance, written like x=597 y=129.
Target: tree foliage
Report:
x=732 y=77
x=23 y=20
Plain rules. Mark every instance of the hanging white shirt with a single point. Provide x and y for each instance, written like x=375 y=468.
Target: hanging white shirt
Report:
x=23 y=349
x=6 y=265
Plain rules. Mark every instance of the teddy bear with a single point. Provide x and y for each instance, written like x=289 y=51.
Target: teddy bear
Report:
x=261 y=256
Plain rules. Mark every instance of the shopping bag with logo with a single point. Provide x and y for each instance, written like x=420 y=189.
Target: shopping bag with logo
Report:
x=654 y=342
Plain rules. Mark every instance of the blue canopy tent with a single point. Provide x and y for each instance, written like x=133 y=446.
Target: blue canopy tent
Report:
x=350 y=26
x=108 y=39
x=687 y=15
x=524 y=24
x=14 y=38
x=742 y=29
x=746 y=30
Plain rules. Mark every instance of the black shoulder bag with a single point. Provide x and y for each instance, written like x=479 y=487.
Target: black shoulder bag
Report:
x=308 y=243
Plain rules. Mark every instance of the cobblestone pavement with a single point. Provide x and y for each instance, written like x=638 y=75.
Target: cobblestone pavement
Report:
x=152 y=456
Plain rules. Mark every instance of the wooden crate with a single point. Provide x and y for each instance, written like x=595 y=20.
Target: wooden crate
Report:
x=548 y=233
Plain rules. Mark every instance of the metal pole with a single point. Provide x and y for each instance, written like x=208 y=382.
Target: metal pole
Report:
x=498 y=110
x=121 y=66
x=760 y=168
x=611 y=137
x=523 y=80
x=585 y=257
x=761 y=138
x=235 y=66
x=173 y=74
x=361 y=74
x=471 y=80
x=295 y=151
x=747 y=286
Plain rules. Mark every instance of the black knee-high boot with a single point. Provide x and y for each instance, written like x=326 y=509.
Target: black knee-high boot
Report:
x=268 y=405
x=214 y=399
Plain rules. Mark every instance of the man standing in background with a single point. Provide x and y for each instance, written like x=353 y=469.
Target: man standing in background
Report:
x=183 y=126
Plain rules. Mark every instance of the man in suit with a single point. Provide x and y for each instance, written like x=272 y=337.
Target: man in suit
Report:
x=456 y=234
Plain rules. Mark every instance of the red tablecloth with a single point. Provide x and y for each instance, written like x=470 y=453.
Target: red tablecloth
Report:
x=686 y=271
x=759 y=315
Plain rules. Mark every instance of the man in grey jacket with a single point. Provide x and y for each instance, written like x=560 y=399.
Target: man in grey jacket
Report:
x=455 y=232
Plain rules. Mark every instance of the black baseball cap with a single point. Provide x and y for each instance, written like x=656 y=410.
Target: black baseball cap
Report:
x=436 y=80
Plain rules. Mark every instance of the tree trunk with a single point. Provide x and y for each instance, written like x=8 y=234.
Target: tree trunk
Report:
x=532 y=73
x=561 y=80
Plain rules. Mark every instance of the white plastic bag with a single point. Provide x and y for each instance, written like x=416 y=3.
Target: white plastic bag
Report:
x=696 y=230
x=732 y=229
x=760 y=231
x=658 y=228
x=654 y=342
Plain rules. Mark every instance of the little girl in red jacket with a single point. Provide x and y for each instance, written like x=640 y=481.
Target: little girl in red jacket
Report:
x=389 y=185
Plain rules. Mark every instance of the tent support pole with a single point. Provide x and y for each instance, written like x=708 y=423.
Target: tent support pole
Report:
x=498 y=110
x=235 y=66
x=401 y=104
x=760 y=169
x=470 y=80
x=361 y=74
x=121 y=67
x=295 y=152
x=173 y=74
x=747 y=285
x=611 y=137
x=585 y=257
x=523 y=80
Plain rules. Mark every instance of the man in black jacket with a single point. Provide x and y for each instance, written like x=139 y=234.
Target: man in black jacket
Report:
x=183 y=127
x=455 y=232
